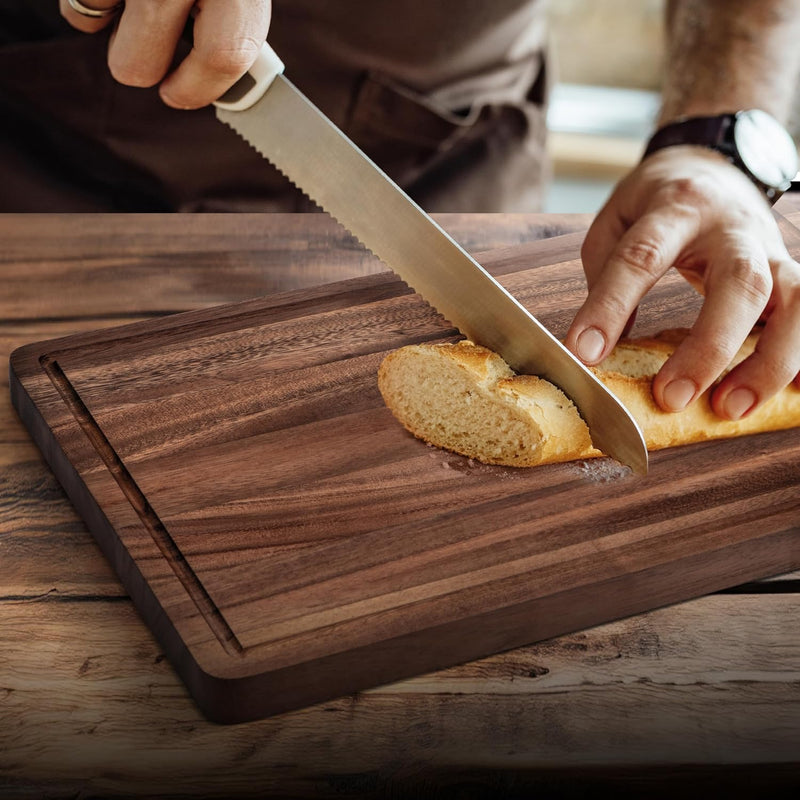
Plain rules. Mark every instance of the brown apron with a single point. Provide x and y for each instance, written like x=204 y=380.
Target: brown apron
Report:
x=446 y=95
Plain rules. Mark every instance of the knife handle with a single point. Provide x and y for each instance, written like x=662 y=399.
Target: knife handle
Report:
x=252 y=85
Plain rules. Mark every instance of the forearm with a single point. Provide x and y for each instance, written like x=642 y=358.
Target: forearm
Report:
x=725 y=55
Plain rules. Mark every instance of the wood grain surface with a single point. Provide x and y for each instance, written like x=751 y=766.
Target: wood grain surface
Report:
x=289 y=543
x=699 y=698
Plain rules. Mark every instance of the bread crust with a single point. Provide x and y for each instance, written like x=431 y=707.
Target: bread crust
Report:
x=464 y=398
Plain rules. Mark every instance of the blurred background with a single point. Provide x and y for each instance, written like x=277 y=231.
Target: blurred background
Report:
x=608 y=56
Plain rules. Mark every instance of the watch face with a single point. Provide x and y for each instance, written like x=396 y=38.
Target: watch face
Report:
x=766 y=149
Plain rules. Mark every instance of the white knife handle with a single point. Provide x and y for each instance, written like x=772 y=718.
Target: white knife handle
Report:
x=252 y=85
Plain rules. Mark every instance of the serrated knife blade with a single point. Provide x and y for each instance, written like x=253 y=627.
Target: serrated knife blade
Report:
x=289 y=131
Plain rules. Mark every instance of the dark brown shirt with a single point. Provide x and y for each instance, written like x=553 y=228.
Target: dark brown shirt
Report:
x=448 y=97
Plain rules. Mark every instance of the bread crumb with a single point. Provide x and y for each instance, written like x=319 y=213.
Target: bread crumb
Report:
x=602 y=470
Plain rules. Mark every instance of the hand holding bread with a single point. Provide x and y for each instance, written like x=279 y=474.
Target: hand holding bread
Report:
x=689 y=208
x=465 y=398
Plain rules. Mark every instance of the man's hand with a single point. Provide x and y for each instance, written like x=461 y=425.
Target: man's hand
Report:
x=688 y=207
x=227 y=37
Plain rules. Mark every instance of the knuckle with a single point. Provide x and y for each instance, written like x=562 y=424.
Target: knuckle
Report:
x=150 y=10
x=231 y=60
x=771 y=372
x=717 y=353
x=689 y=191
x=705 y=355
x=611 y=306
x=751 y=278
x=642 y=256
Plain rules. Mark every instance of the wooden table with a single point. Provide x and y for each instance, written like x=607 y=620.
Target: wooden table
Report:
x=702 y=695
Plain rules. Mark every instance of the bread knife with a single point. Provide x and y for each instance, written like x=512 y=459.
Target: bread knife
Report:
x=275 y=118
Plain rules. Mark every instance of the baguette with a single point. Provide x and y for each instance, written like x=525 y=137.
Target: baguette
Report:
x=464 y=398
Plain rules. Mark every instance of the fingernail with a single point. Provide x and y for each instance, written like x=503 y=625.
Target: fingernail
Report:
x=739 y=402
x=590 y=345
x=678 y=394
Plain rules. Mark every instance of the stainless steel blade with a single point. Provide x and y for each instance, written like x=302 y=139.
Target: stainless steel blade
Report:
x=288 y=130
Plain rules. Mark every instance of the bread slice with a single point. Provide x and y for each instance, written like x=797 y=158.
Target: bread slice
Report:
x=465 y=398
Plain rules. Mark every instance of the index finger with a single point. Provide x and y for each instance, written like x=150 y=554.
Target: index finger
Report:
x=641 y=256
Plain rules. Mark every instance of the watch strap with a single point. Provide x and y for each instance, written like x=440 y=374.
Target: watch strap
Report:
x=715 y=132
x=712 y=131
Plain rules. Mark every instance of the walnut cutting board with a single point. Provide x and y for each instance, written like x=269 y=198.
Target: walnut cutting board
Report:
x=289 y=542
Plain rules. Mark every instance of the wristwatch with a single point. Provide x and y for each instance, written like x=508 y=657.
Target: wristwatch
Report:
x=752 y=140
